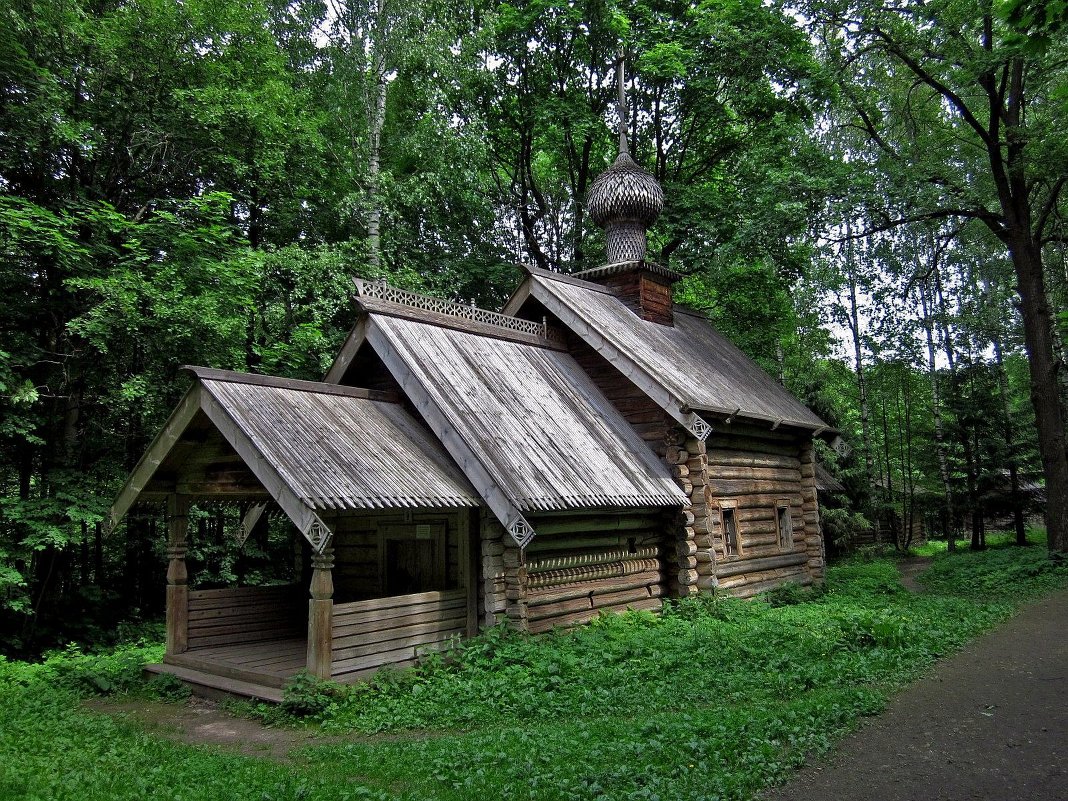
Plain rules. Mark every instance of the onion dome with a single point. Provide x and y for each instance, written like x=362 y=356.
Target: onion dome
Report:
x=625 y=200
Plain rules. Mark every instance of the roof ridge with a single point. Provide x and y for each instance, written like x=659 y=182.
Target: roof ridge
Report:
x=466 y=312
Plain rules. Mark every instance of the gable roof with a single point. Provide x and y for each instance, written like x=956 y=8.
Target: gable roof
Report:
x=688 y=367
x=314 y=447
x=526 y=424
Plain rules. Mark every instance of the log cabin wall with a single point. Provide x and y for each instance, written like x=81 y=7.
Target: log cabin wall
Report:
x=366 y=635
x=576 y=567
x=754 y=472
x=693 y=526
x=491 y=592
x=581 y=565
x=648 y=420
x=810 y=508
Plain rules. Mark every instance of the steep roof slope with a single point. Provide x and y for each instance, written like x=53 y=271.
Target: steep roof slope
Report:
x=313 y=447
x=691 y=365
x=527 y=415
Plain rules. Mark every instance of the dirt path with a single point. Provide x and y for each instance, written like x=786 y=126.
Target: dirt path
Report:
x=910 y=569
x=990 y=723
x=203 y=722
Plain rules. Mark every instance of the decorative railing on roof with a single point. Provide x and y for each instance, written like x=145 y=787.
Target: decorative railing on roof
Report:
x=380 y=290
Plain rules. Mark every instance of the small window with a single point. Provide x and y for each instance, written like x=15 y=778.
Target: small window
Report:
x=786 y=528
x=730 y=532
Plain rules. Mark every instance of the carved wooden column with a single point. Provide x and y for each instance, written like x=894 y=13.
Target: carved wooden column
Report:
x=321 y=614
x=177 y=574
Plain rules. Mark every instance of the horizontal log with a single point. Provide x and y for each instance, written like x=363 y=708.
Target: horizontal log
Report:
x=762 y=551
x=402 y=638
x=580 y=524
x=398 y=601
x=238 y=593
x=736 y=567
x=779 y=474
x=750 y=590
x=367 y=642
x=558 y=561
x=612 y=599
x=753 y=487
x=559 y=608
x=585 y=616
x=758 y=500
x=556 y=578
x=725 y=457
x=246 y=610
x=750 y=445
x=540 y=597
x=233 y=638
x=389 y=618
x=402 y=655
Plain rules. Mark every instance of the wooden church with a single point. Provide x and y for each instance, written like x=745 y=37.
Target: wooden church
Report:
x=591 y=448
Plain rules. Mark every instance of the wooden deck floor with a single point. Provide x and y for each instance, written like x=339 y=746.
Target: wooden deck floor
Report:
x=269 y=663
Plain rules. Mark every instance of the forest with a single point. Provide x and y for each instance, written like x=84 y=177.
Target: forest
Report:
x=867 y=197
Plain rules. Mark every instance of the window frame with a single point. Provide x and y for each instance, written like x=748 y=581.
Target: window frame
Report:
x=786 y=532
x=729 y=510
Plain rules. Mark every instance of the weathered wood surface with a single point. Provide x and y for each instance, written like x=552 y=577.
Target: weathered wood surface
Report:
x=177 y=575
x=390 y=631
x=211 y=685
x=267 y=662
x=318 y=445
x=690 y=361
x=488 y=400
x=244 y=614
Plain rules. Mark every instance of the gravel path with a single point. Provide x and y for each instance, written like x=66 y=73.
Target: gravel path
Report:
x=990 y=723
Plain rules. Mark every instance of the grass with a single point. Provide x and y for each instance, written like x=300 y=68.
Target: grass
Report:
x=714 y=699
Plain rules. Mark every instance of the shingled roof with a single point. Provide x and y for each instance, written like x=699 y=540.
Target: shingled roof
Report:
x=312 y=446
x=524 y=421
x=686 y=367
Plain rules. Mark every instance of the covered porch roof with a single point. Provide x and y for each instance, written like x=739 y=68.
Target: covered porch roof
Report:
x=311 y=447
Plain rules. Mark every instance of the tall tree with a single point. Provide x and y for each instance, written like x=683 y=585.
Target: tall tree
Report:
x=962 y=121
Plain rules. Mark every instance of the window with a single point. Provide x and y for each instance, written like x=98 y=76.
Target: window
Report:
x=730 y=532
x=786 y=527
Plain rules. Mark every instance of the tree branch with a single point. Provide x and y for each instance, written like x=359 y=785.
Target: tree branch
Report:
x=937 y=85
x=1048 y=207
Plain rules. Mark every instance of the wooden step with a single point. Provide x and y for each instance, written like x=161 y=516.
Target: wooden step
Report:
x=209 y=685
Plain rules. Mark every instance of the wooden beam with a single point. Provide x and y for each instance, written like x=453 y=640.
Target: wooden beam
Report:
x=320 y=615
x=177 y=574
x=228 y=376
x=469 y=535
x=161 y=446
x=348 y=352
x=503 y=507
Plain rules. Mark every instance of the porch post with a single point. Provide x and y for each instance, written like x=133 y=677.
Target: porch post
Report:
x=321 y=613
x=177 y=575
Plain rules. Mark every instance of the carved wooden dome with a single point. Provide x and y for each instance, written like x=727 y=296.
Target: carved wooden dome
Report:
x=625 y=200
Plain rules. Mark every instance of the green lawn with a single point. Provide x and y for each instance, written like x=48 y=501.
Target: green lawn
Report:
x=712 y=700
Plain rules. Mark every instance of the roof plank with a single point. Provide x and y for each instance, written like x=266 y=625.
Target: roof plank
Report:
x=691 y=364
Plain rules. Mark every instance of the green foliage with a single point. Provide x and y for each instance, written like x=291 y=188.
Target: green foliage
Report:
x=167 y=687
x=307 y=696
x=715 y=698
